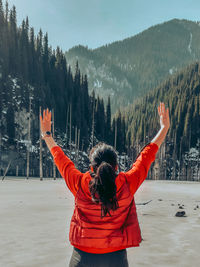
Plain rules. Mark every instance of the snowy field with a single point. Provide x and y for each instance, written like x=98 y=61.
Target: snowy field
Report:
x=35 y=217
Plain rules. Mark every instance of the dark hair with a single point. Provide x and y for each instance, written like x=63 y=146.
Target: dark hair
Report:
x=102 y=187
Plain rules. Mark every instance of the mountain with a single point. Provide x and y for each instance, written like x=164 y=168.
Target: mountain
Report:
x=180 y=153
x=128 y=69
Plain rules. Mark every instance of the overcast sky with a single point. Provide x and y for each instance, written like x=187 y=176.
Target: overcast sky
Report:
x=94 y=23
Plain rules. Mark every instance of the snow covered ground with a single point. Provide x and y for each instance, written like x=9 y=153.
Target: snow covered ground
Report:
x=35 y=217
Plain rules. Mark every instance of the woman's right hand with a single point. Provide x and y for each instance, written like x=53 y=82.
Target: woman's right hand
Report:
x=45 y=122
x=164 y=116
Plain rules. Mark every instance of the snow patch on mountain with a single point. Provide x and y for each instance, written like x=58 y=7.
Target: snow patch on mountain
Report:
x=172 y=70
x=98 y=83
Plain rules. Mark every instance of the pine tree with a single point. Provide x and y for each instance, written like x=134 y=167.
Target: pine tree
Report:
x=108 y=136
x=10 y=124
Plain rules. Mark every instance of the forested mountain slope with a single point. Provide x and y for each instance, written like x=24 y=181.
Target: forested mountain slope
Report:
x=33 y=75
x=181 y=93
x=129 y=68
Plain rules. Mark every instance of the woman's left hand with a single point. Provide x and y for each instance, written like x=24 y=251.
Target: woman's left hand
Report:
x=45 y=123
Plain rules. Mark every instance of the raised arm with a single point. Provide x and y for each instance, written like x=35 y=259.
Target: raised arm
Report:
x=138 y=173
x=64 y=164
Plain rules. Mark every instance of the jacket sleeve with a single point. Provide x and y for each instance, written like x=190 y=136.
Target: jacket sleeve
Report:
x=67 y=169
x=139 y=170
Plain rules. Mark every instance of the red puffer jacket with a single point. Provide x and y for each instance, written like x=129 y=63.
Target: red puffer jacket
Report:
x=88 y=231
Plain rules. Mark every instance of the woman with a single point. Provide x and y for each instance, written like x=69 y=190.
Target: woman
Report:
x=104 y=222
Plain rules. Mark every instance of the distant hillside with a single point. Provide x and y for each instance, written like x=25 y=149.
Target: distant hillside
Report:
x=181 y=150
x=129 y=68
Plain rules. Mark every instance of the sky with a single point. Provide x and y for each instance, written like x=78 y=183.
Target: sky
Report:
x=94 y=23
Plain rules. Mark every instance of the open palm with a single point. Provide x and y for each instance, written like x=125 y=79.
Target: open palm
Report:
x=164 y=115
x=45 y=122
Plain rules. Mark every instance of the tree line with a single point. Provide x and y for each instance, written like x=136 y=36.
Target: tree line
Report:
x=44 y=75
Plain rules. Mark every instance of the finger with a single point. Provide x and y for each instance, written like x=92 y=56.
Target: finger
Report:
x=163 y=107
x=167 y=111
x=40 y=118
x=50 y=115
x=47 y=113
x=43 y=113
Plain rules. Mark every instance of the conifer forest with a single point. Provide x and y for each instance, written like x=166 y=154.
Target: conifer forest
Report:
x=34 y=76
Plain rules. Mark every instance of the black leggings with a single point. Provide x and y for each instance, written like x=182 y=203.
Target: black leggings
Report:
x=113 y=259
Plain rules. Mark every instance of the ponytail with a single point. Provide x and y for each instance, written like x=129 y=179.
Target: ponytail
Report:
x=102 y=187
